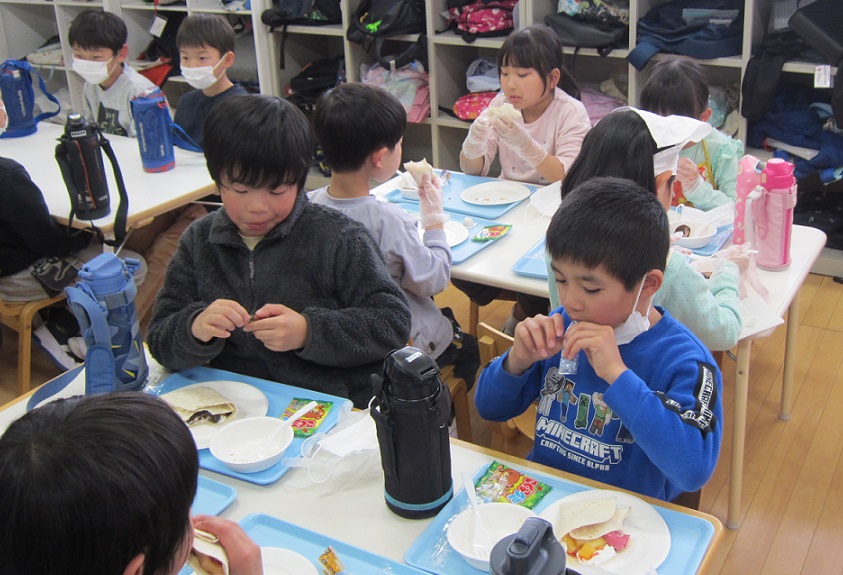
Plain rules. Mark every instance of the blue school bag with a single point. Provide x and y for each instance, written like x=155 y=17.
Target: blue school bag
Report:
x=103 y=302
x=702 y=29
x=19 y=98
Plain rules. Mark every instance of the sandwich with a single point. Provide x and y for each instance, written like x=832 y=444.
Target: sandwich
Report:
x=197 y=404
x=207 y=556
x=593 y=529
x=419 y=170
x=506 y=112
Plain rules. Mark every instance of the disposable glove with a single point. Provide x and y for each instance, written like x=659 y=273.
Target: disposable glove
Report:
x=430 y=203
x=688 y=175
x=480 y=131
x=515 y=136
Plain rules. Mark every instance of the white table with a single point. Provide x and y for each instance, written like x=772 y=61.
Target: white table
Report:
x=150 y=194
x=493 y=266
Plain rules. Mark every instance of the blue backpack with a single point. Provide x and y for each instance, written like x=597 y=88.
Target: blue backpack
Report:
x=19 y=98
x=702 y=29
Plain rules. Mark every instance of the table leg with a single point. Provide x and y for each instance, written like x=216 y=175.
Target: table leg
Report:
x=789 y=353
x=738 y=434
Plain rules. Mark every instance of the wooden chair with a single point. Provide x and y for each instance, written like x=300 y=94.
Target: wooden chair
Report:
x=18 y=316
x=510 y=435
x=459 y=399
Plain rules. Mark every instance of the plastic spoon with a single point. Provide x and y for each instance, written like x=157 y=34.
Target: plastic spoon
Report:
x=266 y=445
x=482 y=541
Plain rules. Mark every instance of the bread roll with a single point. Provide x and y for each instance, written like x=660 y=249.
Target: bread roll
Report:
x=419 y=170
x=506 y=112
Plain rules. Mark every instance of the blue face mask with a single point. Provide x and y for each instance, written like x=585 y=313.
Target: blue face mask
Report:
x=635 y=324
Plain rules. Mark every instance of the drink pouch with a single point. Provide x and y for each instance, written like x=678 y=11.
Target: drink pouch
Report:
x=491 y=233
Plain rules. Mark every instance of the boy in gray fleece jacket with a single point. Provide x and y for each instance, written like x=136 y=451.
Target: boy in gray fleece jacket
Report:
x=271 y=285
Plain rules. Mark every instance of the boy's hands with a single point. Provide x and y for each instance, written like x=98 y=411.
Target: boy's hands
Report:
x=519 y=141
x=536 y=338
x=600 y=346
x=430 y=204
x=279 y=327
x=244 y=555
x=218 y=320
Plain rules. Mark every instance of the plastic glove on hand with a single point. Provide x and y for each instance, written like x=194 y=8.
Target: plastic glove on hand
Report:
x=430 y=203
x=480 y=131
x=515 y=136
x=688 y=175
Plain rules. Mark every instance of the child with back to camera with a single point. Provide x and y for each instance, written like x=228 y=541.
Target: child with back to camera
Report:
x=206 y=52
x=659 y=424
x=538 y=144
x=361 y=128
x=98 y=40
x=116 y=476
x=708 y=170
x=622 y=145
x=271 y=285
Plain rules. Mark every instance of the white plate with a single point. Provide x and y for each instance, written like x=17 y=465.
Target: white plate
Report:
x=455 y=233
x=277 y=561
x=250 y=402
x=649 y=541
x=495 y=193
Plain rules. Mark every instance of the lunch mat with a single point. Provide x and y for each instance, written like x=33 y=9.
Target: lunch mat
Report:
x=463 y=250
x=212 y=497
x=268 y=531
x=279 y=396
x=452 y=202
x=532 y=264
x=431 y=552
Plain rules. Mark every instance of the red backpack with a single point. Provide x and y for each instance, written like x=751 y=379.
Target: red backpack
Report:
x=481 y=18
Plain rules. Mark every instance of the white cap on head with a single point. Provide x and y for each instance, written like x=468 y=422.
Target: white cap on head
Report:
x=672 y=133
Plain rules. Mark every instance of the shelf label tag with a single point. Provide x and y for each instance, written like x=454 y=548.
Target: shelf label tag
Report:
x=158 y=23
x=822 y=76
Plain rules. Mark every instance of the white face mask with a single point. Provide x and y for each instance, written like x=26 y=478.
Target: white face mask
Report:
x=635 y=324
x=201 y=77
x=93 y=72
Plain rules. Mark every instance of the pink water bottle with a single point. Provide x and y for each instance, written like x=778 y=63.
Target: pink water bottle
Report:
x=771 y=206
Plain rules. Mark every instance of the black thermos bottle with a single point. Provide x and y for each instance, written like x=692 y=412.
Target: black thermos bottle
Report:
x=411 y=410
x=79 y=156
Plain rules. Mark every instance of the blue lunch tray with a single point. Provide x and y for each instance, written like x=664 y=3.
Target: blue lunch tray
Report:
x=431 y=552
x=532 y=264
x=212 y=497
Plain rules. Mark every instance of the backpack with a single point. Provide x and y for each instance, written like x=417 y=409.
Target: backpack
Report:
x=305 y=12
x=578 y=33
x=671 y=27
x=19 y=98
x=481 y=18
x=314 y=79
x=376 y=20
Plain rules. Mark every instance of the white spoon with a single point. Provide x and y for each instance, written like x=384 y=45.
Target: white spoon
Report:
x=265 y=447
x=482 y=541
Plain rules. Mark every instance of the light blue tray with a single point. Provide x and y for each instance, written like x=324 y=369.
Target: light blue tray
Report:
x=212 y=497
x=268 y=531
x=724 y=234
x=279 y=396
x=452 y=202
x=532 y=264
x=467 y=248
x=689 y=535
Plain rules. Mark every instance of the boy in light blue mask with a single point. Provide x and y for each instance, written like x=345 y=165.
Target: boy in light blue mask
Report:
x=206 y=52
x=657 y=426
x=98 y=40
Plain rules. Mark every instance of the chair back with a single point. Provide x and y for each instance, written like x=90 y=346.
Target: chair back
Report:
x=492 y=343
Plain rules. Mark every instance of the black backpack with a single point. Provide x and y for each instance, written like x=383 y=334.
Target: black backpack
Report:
x=376 y=20
x=305 y=12
x=314 y=79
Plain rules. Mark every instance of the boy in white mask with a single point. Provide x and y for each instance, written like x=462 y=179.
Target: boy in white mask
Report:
x=653 y=386
x=206 y=50
x=98 y=40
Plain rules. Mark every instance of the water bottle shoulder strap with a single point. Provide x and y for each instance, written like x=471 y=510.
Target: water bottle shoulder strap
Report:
x=50 y=97
x=183 y=140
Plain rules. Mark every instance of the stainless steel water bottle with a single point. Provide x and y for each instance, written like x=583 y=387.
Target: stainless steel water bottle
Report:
x=79 y=156
x=411 y=409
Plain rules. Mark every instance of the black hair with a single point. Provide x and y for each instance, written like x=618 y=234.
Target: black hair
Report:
x=613 y=223
x=354 y=120
x=537 y=47
x=211 y=30
x=94 y=29
x=620 y=146
x=676 y=86
x=258 y=141
x=91 y=482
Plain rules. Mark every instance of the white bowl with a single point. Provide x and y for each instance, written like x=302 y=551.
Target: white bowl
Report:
x=236 y=444
x=699 y=233
x=410 y=193
x=499 y=519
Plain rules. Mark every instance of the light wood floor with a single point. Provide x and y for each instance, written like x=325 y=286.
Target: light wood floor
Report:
x=793 y=481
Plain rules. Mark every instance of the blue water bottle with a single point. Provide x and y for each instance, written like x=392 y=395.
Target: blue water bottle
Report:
x=152 y=123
